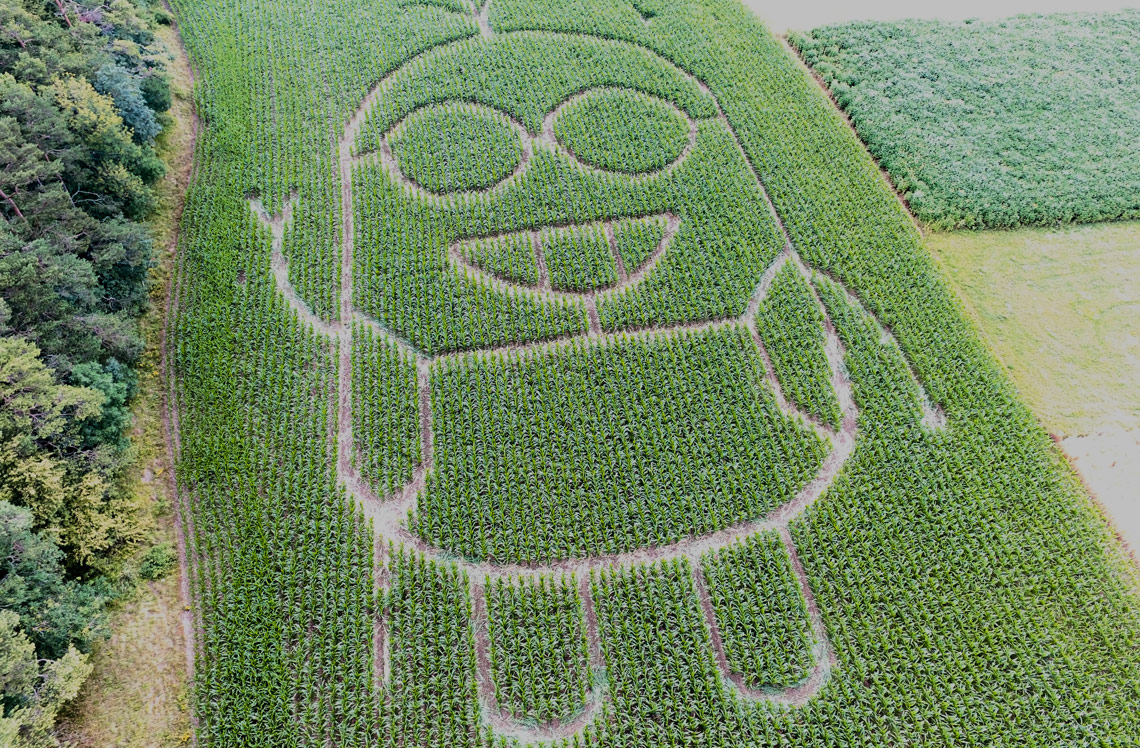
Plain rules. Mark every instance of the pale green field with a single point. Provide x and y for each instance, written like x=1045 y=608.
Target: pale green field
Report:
x=781 y=17
x=1061 y=308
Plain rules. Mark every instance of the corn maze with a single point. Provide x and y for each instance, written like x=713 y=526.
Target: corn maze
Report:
x=564 y=373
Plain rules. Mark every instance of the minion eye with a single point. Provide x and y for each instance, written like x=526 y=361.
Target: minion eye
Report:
x=457 y=147
x=623 y=130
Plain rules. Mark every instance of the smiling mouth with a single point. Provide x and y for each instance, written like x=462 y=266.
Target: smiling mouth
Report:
x=576 y=260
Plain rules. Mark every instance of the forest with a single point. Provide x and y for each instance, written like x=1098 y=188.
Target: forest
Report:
x=83 y=96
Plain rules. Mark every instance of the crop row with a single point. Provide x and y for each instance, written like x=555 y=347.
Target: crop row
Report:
x=527 y=77
x=660 y=669
x=431 y=695
x=661 y=675
x=282 y=565
x=637 y=239
x=404 y=280
x=790 y=323
x=725 y=240
x=385 y=411
x=760 y=611
x=455 y=147
x=510 y=257
x=579 y=258
x=992 y=143
x=592 y=449
x=539 y=659
x=622 y=131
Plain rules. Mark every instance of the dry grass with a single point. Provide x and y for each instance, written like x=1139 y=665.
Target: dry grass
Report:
x=1061 y=308
x=138 y=695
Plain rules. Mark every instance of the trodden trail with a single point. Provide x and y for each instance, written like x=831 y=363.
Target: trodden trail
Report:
x=171 y=427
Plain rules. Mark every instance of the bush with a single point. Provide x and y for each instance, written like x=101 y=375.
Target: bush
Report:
x=156 y=92
x=158 y=561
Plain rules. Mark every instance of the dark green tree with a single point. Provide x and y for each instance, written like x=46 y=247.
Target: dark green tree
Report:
x=54 y=612
x=82 y=88
x=33 y=690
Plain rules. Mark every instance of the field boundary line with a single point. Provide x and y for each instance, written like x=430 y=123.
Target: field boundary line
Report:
x=886 y=177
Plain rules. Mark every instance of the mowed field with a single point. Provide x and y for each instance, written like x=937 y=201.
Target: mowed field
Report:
x=567 y=371
x=1062 y=309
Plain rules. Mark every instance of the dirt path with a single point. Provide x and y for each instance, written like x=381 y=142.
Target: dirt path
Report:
x=183 y=522
x=389 y=515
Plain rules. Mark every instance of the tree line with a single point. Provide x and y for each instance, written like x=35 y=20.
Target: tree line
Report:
x=83 y=95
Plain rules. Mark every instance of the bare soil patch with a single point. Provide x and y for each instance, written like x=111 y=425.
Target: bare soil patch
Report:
x=1109 y=463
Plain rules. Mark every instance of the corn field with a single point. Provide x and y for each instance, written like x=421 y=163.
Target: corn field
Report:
x=576 y=379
